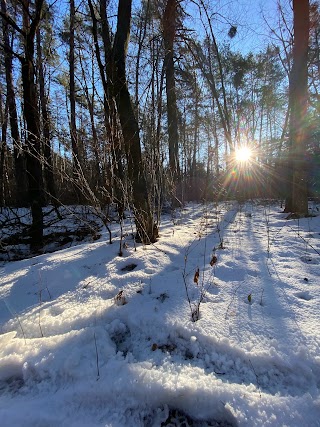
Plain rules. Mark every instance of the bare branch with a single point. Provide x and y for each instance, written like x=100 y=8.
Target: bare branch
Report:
x=10 y=51
x=11 y=22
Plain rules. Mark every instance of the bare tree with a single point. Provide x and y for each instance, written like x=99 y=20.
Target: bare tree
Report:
x=169 y=30
x=73 y=126
x=19 y=158
x=3 y=146
x=115 y=78
x=31 y=17
x=297 y=200
x=46 y=126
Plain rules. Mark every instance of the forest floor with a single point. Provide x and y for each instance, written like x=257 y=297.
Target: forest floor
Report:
x=216 y=324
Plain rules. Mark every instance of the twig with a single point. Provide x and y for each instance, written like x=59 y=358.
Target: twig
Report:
x=97 y=356
x=232 y=299
x=257 y=379
x=10 y=309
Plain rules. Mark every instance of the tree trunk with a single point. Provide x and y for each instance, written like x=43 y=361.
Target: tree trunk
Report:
x=146 y=230
x=73 y=126
x=19 y=158
x=114 y=80
x=3 y=147
x=110 y=120
x=169 y=30
x=31 y=114
x=33 y=165
x=47 y=152
x=297 y=200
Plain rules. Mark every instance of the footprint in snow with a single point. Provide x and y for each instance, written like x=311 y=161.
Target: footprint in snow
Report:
x=129 y=267
x=308 y=260
x=304 y=296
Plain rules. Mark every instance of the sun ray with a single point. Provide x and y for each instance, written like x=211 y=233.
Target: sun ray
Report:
x=243 y=154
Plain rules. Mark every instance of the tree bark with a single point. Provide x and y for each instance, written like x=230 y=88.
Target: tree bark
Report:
x=116 y=88
x=47 y=152
x=111 y=123
x=3 y=147
x=169 y=30
x=97 y=176
x=297 y=200
x=19 y=158
x=146 y=229
x=73 y=126
x=31 y=114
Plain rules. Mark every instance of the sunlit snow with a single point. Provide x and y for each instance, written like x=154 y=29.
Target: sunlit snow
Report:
x=76 y=351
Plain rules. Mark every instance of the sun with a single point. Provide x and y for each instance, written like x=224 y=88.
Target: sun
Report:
x=243 y=154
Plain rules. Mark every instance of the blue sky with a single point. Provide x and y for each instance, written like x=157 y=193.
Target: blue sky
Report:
x=252 y=19
x=255 y=17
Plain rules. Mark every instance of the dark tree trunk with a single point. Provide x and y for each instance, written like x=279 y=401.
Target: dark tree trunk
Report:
x=196 y=131
x=169 y=30
x=297 y=200
x=33 y=164
x=47 y=152
x=73 y=126
x=114 y=81
x=3 y=147
x=117 y=151
x=19 y=158
x=97 y=177
x=146 y=230
x=110 y=120
x=31 y=114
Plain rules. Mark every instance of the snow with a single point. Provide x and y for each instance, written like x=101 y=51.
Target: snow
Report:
x=88 y=338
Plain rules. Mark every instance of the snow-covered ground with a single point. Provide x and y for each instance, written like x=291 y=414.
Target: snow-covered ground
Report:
x=89 y=338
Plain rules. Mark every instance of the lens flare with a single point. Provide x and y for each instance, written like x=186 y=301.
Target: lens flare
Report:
x=243 y=154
